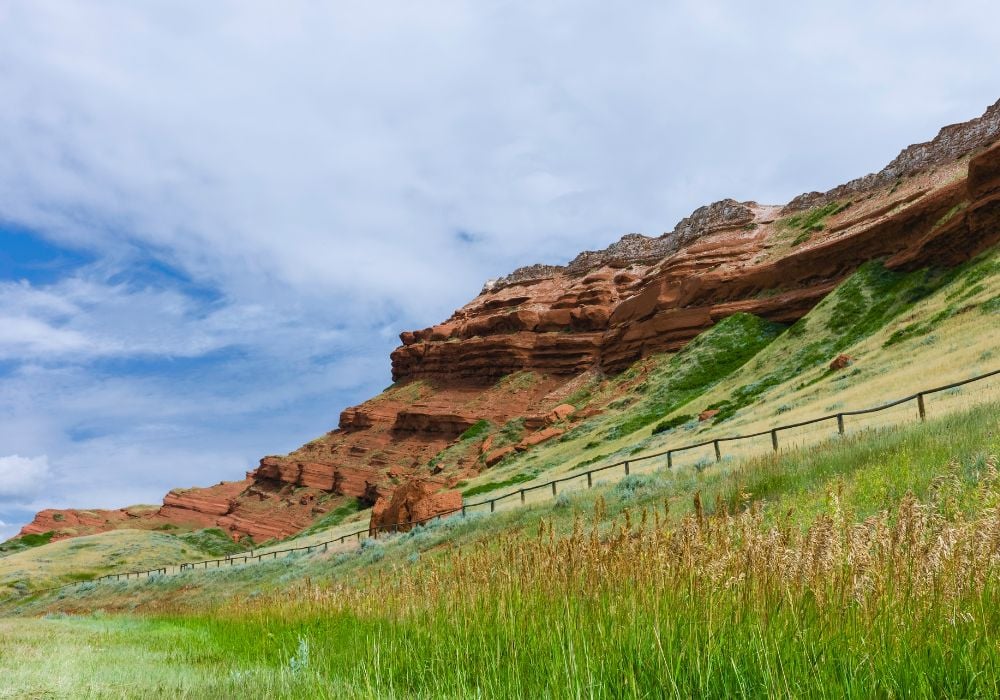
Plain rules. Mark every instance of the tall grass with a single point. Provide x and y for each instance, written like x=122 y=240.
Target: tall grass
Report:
x=902 y=603
x=881 y=583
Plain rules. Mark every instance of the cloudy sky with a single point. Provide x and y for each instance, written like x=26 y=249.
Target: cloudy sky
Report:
x=216 y=217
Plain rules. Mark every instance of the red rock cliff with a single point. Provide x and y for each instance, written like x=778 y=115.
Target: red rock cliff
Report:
x=936 y=203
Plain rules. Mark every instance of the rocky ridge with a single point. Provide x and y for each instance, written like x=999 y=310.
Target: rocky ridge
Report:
x=519 y=348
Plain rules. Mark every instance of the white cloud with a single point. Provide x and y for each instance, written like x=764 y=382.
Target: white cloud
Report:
x=21 y=477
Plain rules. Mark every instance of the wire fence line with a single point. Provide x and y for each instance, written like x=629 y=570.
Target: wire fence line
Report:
x=521 y=493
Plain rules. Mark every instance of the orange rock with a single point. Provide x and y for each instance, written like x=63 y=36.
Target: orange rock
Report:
x=708 y=415
x=841 y=361
x=415 y=501
x=561 y=412
x=498 y=455
x=539 y=437
x=486 y=445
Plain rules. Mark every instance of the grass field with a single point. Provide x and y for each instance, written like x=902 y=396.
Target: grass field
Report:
x=842 y=566
x=864 y=567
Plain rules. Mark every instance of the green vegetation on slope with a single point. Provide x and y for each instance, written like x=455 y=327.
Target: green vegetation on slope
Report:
x=212 y=541
x=707 y=359
x=858 y=308
x=810 y=222
x=19 y=544
x=333 y=518
x=879 y=582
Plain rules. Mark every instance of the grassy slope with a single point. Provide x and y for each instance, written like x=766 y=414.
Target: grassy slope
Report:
x=84 y=558
x=615 y=634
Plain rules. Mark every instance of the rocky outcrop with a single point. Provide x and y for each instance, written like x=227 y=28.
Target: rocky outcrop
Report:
x=642 y=295
x=636 y=248
x=416 y=501
x=952 y=143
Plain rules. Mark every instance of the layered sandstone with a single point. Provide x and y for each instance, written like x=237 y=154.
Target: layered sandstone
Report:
x=934 y=204
x=516 y=349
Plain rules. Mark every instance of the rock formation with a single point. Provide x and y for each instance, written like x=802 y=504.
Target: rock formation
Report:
x=416 y=501
x=515 y=350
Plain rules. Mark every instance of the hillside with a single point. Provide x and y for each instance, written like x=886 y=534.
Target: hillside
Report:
x=849 y=558
x=523 y=378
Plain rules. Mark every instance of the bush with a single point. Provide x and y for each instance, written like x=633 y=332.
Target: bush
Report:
x=671 y=423
x=637 y=485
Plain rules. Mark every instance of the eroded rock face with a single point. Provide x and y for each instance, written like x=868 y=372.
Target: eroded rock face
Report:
x=936 y=203
x=418 y=500
x=642 y=295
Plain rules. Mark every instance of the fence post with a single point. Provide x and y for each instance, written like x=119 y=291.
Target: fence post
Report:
x=840 y=423
x=921 y=407
x=718 y=454
x=553 y=488
x=626 y=467
x=670 y=459
x=522 y=496
x=774 y=439
x=493 y=505
x=590 y=479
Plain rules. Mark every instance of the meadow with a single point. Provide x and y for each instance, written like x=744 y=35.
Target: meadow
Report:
x=866 y=566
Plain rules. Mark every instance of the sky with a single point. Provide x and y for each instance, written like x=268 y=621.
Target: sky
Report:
x=216 y=217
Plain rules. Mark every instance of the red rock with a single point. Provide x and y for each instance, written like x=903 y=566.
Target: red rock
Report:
x=429 y=420
x=561 y=412
x=841 y=361
x=539 y=437
x=486 y=445
x=417 y=500
x=708 y=415
x=498 y=455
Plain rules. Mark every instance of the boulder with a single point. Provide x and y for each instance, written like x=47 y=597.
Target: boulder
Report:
x=840 y=362
x=561 y=412
x=708 y=415
x=415 y=501
x=498 y=455
x=539 y=437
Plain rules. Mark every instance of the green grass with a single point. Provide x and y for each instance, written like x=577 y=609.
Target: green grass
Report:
x=19 y=544
x=212 y=541
x=494 y=485
x=810 y=222
x=707 y=359
x=861 y=306
x=672 y=423
x=563 y=637
x=334 y=517
x=477 y=429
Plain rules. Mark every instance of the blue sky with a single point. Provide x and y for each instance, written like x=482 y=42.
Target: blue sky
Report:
x=215 y=218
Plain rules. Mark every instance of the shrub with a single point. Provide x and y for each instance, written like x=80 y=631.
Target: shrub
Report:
x=671 y=423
